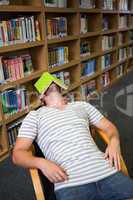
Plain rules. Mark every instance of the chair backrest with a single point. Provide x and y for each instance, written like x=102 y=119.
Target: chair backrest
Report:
x=44 y=189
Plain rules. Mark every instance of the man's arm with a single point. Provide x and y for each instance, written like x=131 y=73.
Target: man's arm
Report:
x=113 y=150
x=23 y=157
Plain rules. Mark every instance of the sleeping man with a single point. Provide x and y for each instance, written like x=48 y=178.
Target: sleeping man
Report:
x=73 y=162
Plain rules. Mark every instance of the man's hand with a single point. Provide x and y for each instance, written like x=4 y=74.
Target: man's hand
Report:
x=52 y=171
x=113 y=153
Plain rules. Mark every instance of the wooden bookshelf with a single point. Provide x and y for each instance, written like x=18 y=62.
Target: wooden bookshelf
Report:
x=39 y=50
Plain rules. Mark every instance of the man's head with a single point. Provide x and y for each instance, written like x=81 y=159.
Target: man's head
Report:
x=49 y=88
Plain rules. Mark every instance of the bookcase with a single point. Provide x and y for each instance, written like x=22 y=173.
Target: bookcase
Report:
x=96 y=44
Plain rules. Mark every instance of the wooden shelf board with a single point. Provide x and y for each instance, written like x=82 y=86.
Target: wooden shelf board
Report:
x=93 y=55
x=123 y=12
x=85 y=10
x=17 y=47
x=109 y=11
x=65 y=66
x=19 y=8
x=59 y=10
x=123 y=29
x=88 y=78
x=30 y=77
x=90 y=34
x=109 y=31
x=63 y=39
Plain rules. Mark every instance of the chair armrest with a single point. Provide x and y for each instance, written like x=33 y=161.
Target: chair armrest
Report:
x=106 y=140
x=37 y=184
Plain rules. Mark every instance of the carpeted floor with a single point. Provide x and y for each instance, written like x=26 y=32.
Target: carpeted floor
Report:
x=15 y=182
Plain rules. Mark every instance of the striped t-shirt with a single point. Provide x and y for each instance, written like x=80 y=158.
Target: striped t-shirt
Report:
x=64 y=138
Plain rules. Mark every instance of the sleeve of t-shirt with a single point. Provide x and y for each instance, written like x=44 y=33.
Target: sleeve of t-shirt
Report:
x=94 y=115
x=28 y=128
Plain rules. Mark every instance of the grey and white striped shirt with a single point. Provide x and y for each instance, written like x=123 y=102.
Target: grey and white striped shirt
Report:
x=64 y=138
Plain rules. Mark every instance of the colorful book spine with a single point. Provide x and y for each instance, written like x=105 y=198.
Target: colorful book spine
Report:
x=58 y=56
x=123 y=22
x=122 y=54
x=108 y=4
x=108 y=42
x=56 y=27
x=88 y=89
x=105 y=79
x=87 y=3
x=13 y=68
x=88 y=68
x=19 y=30
x=123 y=5
x=83 y=24
x=14 y=100
x=85 y=48
x=105 y=61
x=64 y=76
x=12 y=132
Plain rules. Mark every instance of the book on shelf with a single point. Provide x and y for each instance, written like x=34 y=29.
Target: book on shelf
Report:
x=105 y=79
x=71 y=96
x=105 y=61
x=13 y=68
x=87 y=4
x=12 y=132
x=56 y=27
x=4 y=2
x=58 y=56
x=83 y=24
x=64 y=76
x=130 y=51
x=108 y=4
x=56 y=3
x=119 y=70
x=123 y=21
x=130 y=35
x=122 y=54
x=19 y=30
x=88 y=68
x=105 y=23
x=14 y=100
x=85 y=48
x=108 y=42
x=123 y=5
x=121 y=38
x=87 y=89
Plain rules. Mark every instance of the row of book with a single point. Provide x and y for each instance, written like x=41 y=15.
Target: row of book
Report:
x=4 y=2
x=15 y=67
x=12 y=132
x=123 y=22
x=19 y=30
x=121 y=38
x=108 y=4
x=56 y=3
x=71 y=96
x=105 y=79
x=64 y=76
x=14 y=100
x=105 y=23
x=58 y=56
x=88 y=68
x=83 y=24
x=108 y=42
x=123 y=5
x=130 y=51
x=56 y=27
x=85 y=48
x=87 y=3
x=122 y=53
x=105 y=61
x=118 y=71
x=88 y=89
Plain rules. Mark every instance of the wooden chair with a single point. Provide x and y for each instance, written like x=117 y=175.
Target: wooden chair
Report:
x=44 y=189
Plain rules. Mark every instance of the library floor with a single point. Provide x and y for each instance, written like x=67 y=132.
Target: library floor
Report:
x=15 y=183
